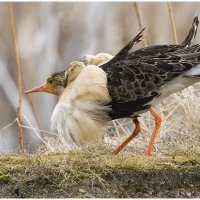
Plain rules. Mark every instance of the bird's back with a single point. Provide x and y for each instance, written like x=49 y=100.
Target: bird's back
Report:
x=136 y=79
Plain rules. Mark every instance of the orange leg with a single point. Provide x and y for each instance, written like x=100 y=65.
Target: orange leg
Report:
x=158 y=121
x=133 y=135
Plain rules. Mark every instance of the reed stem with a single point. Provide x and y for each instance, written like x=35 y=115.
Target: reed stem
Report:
x=139 y=19
x=19 y=82
x=172 y=22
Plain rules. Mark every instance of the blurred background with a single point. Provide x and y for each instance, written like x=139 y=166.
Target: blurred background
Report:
x=51 y=35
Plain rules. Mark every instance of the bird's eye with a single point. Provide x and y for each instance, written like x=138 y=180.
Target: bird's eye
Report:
x=50 y=81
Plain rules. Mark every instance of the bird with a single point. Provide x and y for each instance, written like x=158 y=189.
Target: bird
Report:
x=101 y=88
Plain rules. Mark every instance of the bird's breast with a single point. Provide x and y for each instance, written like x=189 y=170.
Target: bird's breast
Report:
x=80 y=114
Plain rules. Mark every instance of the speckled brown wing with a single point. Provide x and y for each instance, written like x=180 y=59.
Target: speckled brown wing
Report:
x=135 y=79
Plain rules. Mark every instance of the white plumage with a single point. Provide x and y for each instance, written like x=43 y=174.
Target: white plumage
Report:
x=79 y=109
x=99 y=59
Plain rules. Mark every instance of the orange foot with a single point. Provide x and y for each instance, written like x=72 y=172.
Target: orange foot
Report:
x=147 y=153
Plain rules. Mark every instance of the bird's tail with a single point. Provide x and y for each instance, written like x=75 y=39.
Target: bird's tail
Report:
x=192 y=33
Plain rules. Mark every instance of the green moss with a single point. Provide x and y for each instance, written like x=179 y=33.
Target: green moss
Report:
x=86 y=162
x=3 y=178
x=30 y=174
x=12 y=164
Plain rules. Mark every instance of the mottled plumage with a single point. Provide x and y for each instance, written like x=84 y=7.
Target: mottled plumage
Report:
x=136 y=79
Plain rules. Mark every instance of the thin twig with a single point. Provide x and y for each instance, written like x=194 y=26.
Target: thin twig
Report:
x=123 y=129
x=19 y=82
x=139 y=19
x=34 y=130
x=116 y=128
x=172 y=22
x=32 y=106
x=23 y=126
x=7 y=126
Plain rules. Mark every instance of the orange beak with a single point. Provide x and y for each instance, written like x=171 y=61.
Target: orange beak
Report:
x=40 y=88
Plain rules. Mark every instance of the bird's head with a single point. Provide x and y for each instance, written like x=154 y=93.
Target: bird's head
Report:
x=54 y=84
x=57 y=82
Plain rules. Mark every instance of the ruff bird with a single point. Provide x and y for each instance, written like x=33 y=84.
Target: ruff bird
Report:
x=101 y=88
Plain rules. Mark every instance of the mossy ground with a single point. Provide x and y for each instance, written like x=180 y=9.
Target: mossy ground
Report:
x=97 y=173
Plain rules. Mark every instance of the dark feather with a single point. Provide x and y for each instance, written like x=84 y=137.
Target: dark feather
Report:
x=126 y=49
x=135 y=78
x=192 y=33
